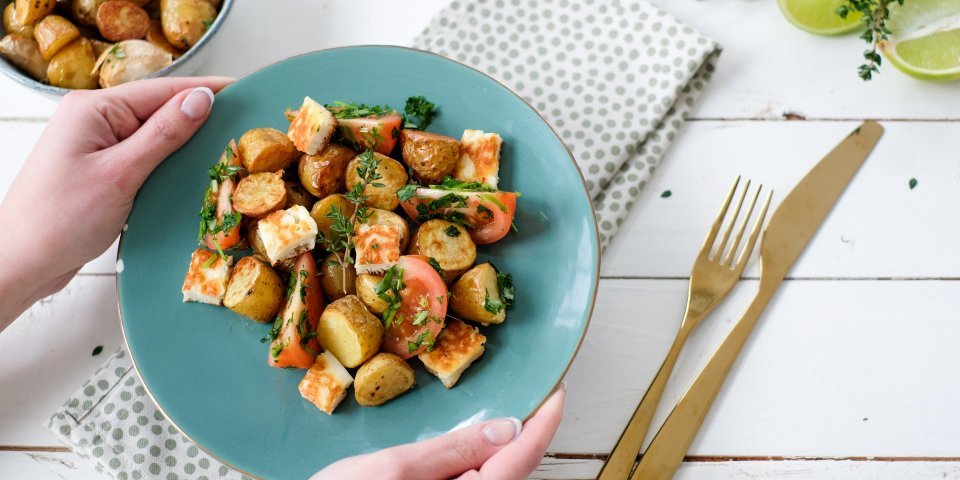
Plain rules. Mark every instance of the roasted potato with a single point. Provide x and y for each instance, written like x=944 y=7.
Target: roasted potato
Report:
x=335 y=284
x=10 y=24
x=131 y=60
x=349 y=331
x=53 y=33
x=392 y=176
x=120 y=20
x=383 y=217
x=29 y=12
x=326 y=205
x=254 y=290
x=431 y=156
x=476 y=296
x=23 y=52
x=73 y=66
x=158 y=39
x=297 y=195
x=185 y=21
x=366 y=286
x=322 y=174
x=265 y=150
x=258 y=194
x=256 y=245
x=85 y=11
x=383 y=378
x=455 y=254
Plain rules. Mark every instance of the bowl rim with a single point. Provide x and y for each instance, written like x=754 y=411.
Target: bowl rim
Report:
x=593 y=222
x=15 y=74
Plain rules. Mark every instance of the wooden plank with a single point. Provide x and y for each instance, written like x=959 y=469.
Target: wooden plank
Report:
x=47 y=466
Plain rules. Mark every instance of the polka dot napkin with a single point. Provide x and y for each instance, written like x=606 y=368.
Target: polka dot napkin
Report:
x=614 y=78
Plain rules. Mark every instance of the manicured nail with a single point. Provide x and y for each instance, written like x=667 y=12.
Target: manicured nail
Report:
x=563 y=385
x=502 y=431
x=197 y=103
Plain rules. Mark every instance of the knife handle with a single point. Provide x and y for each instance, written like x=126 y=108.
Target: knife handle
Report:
x=670 y=445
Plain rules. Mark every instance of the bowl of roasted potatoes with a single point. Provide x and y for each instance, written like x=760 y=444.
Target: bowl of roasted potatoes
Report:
x=54 y=47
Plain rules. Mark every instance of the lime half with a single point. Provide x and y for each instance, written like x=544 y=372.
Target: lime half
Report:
x=819 y=16
x=925 y=39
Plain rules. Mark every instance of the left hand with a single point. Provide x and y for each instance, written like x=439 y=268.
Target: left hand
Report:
x=72 y=196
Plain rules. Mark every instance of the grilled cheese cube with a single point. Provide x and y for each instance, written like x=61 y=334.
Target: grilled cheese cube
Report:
x=479 y=158
x=458 y=346
x=206 y=279
x=287 y=233
x=326 y=383
x=378 y=247
x=311 y=129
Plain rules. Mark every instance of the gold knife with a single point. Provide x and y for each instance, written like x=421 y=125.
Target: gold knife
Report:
x=791 y=227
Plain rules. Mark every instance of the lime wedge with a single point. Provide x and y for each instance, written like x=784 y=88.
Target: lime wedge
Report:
x=819 y=16
x=925 y=39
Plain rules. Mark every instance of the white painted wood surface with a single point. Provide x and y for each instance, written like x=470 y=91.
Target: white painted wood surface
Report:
x=851 y=367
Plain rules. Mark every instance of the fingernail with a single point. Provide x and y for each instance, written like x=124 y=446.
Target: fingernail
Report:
x=502 y=431
x=563 y=385
x=197 y=103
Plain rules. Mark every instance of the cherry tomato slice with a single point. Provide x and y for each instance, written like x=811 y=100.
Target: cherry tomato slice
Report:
x=423 y=308
x=299 y=318
x=489 y=214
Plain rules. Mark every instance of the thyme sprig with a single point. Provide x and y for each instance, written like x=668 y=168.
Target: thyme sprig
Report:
x=875 y=14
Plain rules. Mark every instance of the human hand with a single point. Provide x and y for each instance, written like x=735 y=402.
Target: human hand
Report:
x=72 y=196
x=492 y=450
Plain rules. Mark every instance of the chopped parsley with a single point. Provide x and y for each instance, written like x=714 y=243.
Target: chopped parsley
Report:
x=388 y=289
x=277 y=348
x=274 y=331
x=492 y=306
x=450 y=183
x=424 y=339
x=418 y=113
x=206 y=24
x=96 y=350
x=420 y=319
x=436 y=265
x=452 y=231
x=666 y=194
x=493 y=200
x=407 y=192
x=484 y=212
x=344 y=110
x=505 y=284
x=209 y=223
x=913 y=183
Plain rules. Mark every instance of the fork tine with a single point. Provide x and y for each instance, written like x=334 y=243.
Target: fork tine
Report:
x=748 y=247
x=708 y=242
x=743 y=226
x=733 y=221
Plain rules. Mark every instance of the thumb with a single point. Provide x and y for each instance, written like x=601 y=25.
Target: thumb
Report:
x=165 y=131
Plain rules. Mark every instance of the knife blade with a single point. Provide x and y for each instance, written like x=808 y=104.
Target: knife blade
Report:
x=788 y=232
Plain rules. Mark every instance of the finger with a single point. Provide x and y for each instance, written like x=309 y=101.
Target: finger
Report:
x=144 y=97
x=518 y=459
x=129 y=162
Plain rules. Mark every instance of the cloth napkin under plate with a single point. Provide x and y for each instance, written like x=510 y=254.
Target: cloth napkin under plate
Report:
x=615 y=79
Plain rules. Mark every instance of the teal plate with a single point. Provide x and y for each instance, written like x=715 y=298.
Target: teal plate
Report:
x=205 y=366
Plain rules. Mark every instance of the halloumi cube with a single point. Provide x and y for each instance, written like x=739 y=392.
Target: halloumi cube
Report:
x=479 y=158
x=287 y=233
x=378 y=247
x=206 y=279
x=326 y=383
x=457 y=346
x=312 y=127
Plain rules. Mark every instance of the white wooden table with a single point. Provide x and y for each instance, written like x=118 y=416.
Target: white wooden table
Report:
x=851 y=371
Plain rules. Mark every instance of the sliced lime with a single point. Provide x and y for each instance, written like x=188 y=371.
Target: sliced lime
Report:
x=925 y=39
x=819 y=16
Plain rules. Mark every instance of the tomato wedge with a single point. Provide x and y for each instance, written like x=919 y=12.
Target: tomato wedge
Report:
x=488 y=216
x=223 y=197
x=423 y=308
x=377 y=133
x=294 y=342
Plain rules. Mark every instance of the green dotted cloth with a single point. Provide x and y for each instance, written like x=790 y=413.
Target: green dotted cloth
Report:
x=614 y=78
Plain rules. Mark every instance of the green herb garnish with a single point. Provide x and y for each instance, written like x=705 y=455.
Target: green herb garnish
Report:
x=407 y=192
x=492 y=306
x=505 y=284
x=418 y=113
x=875 y=15
x=388 y=289
x=436 y=265
x=344 y=110
x=450 y=183
x=913 y=183
x=452 y=231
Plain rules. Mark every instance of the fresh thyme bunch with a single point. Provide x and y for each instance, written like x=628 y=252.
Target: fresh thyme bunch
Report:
x=875 y=15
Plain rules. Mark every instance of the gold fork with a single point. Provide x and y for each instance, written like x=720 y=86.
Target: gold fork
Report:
x=713 y=275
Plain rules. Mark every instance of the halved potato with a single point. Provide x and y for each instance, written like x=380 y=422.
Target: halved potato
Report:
x=392 y=177
x=367 y=292
x=326 y=205
x=383 y=378
x=332 y=278
x=322 y=174
x=10 y=24
x=265 y=150
x=53 y=33
x=85 y=11
x=431 y=156
x=73 y=66
x=120 y=20
x=23 y=52
x=377 y=216
x=259 y=194
x=254 y=290
x=349 y=331
x=476 y=296
x=455 y=254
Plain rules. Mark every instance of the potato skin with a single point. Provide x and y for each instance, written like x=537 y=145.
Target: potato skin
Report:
x=10 y=24
x=469 y=294
x=392 y=175
x=265 y=150
x=383 y=217
x=256 y=245
x=158 y=39
x=349 y=331
x=259 y=194
x=322 y=174
x=383 y=378
x=331 y=278
x=366 y=287
x=120 y=20
x=327 y=204
x=431 y=156
x=23 y=52
x=183 y=21
x=297 y=195
x=72 y=66
x=53 y=33
x=254 y=290
x=85 y=11
x=454 y=254
x=29 y=12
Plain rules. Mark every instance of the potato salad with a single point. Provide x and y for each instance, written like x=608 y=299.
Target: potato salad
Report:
x=355 y=235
